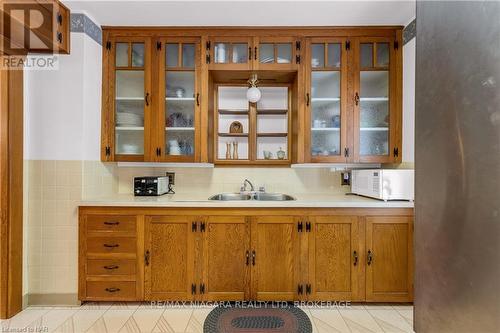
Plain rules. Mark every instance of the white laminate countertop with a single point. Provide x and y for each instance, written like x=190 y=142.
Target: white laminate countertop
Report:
x=201 y=201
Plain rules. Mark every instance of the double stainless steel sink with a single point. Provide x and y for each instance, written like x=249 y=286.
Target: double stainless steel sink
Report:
x=260 y=196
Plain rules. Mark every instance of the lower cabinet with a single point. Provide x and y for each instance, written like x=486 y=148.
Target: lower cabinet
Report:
x=190 y=255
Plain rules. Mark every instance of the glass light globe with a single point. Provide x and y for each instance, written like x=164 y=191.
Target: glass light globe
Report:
x=253 y=94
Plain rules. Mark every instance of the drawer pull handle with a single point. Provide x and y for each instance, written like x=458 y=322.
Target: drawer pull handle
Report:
x=111 y=245
x=111 y=267
x=111 y=223
x=112 y=290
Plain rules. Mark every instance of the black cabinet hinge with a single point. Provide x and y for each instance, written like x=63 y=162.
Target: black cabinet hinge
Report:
x=207 y=58
x=107 y=151
x=202 y=288
x=297 y=59
x=308 y=289
x=158 y=46
x=194 y=226
x=193 y=289
x=300 y=289
x=348 y=45
x=108 y=45
x=202 y=226
x=207 y=45
x=300 y=226
x=396 y=45
x=396 y=151
x=297 y=45
x=308 y=226
x=346 y=152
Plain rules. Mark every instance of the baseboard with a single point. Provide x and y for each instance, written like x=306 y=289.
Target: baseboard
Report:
x=53 y=299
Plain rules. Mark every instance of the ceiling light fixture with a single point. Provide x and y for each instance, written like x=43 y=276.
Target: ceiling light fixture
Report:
x=253 y=93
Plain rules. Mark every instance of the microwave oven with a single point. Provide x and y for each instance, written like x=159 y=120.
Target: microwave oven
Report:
x=384 y=184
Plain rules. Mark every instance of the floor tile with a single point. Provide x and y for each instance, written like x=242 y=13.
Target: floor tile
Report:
x=174 y=320
x=96 y=305
x=196 y=321
x=143 y=320
x=25 y=318
x=51 y=320
x=81 y=321
x=391 y=321
x=360 y=321
x=125 y=305
x=328 y=320
x=112 y=320
x=407 y=315
x=378 y=306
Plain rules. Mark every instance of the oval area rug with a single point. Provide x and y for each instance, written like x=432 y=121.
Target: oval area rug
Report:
x=287 y=319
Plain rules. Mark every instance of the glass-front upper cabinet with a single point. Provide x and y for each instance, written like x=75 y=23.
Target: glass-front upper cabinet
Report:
x=129 y=98
x=326 y=91
x=376 y=119
x=229 y=53
x=179 y=96
x=276 y=53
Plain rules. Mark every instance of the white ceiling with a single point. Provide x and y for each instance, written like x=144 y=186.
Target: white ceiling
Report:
x=245 y=13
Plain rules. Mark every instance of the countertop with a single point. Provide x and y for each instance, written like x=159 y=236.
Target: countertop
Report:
x=201 y=200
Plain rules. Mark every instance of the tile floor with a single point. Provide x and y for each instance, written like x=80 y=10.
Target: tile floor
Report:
x=142 y=317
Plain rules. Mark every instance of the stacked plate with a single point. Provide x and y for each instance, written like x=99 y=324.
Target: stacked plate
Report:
x=129 y=119
x=130 y=149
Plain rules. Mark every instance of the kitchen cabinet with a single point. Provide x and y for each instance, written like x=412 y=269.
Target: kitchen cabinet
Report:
x=377 y=100
x=229 y=53
x=178 y=116
x=127 y=99
x=169 y=258
x=275 y=258
x=276 y=53
x=335 y=247
x=225 y=258
x=222 y=254
x=389 y=259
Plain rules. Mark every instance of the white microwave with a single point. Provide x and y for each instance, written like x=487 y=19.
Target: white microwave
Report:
x=384 y=184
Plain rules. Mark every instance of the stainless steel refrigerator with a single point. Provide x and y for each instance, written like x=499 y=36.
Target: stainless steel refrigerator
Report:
x=457 y=167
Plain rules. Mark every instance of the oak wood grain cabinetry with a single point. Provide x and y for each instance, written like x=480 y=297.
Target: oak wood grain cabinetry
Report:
x=259 y=254
x=347 y=90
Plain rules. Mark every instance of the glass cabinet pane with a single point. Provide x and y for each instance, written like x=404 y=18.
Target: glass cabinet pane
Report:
x=366 y=55
x=266 y=53
x=374 y=113
x=137 y=54
x=188 y=54
x=325 y=113
x=240 y=53
x=318 y=55
x=221 y=53
x=179 y=112
x=129 y=112
x=121 y=57
x=172 y=54
x=334 y=55
x=382 y=54
x=284 y=53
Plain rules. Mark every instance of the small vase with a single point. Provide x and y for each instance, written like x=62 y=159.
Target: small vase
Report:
x=235 y=150
x=228 y=150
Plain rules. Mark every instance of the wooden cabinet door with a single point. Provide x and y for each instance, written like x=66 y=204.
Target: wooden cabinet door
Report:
x=377 y=96
x=328 y=119
x=127 y=99
x=229 y=53
x=276 y=53
x=335 y=270
x=169 y=258
x=226 y=258
x=274 y=258
x=389 y=259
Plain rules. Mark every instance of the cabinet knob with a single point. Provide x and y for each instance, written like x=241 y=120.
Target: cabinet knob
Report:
x=253 y=258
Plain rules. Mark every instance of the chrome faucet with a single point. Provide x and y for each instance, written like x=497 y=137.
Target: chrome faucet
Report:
x=244 y=186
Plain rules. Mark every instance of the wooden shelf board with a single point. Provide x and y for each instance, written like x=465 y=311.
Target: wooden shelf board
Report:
x=179 y=128
x=271 y=112
x=234 y=112
x=272 y=135
x=233 y=134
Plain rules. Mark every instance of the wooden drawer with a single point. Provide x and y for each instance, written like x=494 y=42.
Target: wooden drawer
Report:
x=107 y=244
x=111 y=290
x=111 y=267
x=110 y=223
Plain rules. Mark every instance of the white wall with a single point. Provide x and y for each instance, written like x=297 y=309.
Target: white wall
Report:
x=62 y=107
x=409 y=101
